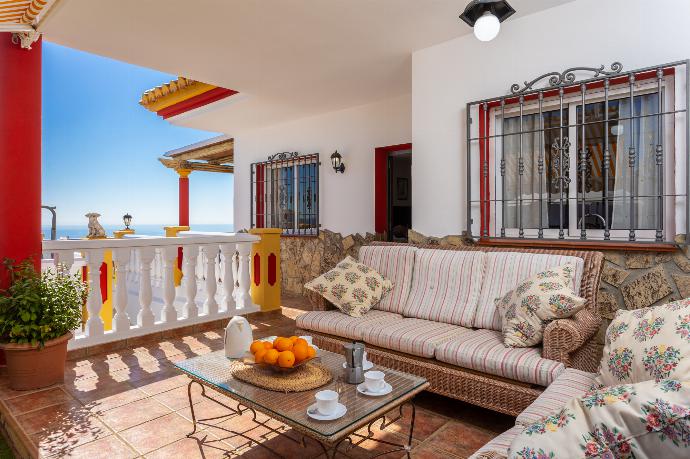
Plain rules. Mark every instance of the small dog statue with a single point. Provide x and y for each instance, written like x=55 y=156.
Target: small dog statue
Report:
x=96 y=230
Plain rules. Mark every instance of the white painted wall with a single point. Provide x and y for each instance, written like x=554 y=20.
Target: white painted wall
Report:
x=347 y=200
x=445 y=77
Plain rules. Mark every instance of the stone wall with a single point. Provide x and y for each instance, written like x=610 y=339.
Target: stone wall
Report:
x=630 y=280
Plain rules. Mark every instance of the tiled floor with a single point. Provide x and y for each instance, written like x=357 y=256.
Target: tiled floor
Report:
x=133 y=403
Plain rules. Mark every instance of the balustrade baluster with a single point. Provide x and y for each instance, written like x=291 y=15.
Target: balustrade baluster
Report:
x=228 y=252
x=211 y=305
x=121 y=259
x=145 y=319
x=191 y=254
x=94 y=302
x=169 y=257
x=243 y=298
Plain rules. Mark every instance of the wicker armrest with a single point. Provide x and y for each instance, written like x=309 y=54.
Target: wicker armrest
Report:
x=563 y=337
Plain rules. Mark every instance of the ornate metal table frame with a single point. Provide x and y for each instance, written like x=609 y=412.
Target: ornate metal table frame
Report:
x=330 y=447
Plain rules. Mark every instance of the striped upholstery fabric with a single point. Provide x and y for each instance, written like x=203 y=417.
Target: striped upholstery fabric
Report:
x=395 y=263
x=413 y=336
x=445 y=286
x=484 y=351
x=498 y=447
x=505 y=270
x=339 y=324
x=569 y=384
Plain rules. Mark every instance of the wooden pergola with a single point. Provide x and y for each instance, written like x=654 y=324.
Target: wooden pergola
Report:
x=213 y=155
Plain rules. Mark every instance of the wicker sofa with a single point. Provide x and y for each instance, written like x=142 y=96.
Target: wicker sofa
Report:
x=440 y=321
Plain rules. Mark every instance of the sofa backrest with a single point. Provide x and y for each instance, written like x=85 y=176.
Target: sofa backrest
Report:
x=395 y=263
x=446 y=286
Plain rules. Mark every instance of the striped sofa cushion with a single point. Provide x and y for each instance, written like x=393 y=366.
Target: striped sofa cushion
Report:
x=484 y=351
x=340 y=324
x=445 y=286
x=395 y=263
x=569 y=384
x=505 y=270
x=413 y=336
x=498 y=447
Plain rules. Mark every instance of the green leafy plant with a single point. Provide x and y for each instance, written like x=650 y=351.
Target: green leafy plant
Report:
x=38 y=307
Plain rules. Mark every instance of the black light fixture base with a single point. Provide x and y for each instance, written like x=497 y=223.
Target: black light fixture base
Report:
x=476 y=9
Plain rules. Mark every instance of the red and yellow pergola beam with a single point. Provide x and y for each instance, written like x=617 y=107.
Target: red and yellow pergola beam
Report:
x=21 y=11
x=182 y=95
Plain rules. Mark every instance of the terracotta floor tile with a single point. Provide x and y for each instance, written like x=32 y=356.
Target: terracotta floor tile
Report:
x=426 y=423
x=100 y=402
x=428 y=451
x=37 y=400
x=157 y=433
x=109 y=447
x=66 y=413
x=178 y=398
x=87 y=388
x=156 y=385
x=133 y=414
x=60 y=439
x=202 y=445
x=6 y=392
x=460 y=438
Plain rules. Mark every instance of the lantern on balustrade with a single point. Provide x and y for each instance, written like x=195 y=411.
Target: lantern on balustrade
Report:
x=127 y=220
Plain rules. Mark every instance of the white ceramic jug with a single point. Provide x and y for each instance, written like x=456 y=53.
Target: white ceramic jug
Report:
x=238 y=337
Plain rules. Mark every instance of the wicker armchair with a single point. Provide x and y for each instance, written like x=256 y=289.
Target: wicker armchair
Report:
x=570 y=341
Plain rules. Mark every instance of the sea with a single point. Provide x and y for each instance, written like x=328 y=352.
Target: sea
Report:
x=80 y=231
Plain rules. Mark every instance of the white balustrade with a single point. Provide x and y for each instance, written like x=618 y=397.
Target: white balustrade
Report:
x=146 y=298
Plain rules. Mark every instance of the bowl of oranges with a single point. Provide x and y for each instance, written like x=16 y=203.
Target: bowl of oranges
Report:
x=282 y=353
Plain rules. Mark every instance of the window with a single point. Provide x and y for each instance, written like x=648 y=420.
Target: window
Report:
x=285 y=191
x=629 y=183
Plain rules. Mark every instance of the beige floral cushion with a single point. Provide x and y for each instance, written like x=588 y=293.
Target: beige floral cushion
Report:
x=527 y=309
x=647 y=419
x=352 y=287
x=650 y=343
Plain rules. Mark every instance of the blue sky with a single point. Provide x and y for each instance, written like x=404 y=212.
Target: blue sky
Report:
x=100 y=147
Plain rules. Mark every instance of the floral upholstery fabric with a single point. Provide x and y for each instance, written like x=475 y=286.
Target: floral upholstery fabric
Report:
x=498 y=446
x=526 y=311
x=413 y=336
x=650 y=343
x=505 y=270
x=352 y=287
x=338 y=324
x=484 y=351
x=569 y=384
x=445 y=286
x=396 y=264
x=647 y=419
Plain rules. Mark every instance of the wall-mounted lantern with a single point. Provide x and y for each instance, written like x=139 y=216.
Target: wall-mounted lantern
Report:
x=127 y=220
x=485 y=16
x=337 y=162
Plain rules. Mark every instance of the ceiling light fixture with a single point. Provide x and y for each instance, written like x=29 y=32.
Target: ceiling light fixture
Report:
x=486 y=17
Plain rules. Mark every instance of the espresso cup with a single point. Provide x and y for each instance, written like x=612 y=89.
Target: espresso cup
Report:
x=374 y=381
x=326 y=402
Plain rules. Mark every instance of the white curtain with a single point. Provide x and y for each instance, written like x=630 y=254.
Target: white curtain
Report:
x=645 y=140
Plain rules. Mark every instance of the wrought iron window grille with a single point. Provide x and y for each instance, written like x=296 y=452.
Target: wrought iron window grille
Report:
x=604 y=158
x=285 y=193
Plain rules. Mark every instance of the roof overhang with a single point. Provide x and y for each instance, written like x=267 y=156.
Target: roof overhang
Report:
x=182 y=95
x=212 y=155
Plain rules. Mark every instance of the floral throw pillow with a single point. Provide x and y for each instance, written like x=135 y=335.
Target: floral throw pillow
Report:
x=649 y=343
x=648 y=419
x=352 y=287
x=527 y=309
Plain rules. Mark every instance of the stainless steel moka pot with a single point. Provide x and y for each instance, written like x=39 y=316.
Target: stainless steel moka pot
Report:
x=354 y=366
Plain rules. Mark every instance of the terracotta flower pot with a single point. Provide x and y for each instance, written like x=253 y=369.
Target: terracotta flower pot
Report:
x=33 y=367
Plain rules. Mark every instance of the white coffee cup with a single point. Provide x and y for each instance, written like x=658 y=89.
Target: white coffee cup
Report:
x=308 y=339
x=374 y=381
x=326 y=402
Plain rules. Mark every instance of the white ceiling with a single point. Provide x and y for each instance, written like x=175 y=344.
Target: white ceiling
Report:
x=288 y=58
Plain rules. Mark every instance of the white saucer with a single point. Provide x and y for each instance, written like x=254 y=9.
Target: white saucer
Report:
x=387 y=389
x=339 y=412
x=366 y=365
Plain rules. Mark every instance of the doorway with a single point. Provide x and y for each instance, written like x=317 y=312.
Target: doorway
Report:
x=393 y=191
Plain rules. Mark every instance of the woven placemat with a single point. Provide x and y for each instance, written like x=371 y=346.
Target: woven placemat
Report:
x=307 y=377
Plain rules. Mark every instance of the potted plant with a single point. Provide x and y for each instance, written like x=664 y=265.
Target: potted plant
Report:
x=38 y=311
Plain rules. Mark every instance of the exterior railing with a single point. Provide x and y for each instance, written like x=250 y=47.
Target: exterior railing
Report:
x=216 y=281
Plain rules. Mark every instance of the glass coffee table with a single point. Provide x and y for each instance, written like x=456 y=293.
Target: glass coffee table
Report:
x=214 y=371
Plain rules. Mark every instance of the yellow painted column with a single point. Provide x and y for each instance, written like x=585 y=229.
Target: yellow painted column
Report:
x=265 y=262
x=172 y=231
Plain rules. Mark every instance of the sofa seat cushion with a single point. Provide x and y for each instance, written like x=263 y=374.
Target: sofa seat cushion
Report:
x=395 y=263
x=339 y=324
x=413 y=336
x=569 y=384
x=498 y=447
x=505 y=270
x=484 y=351
x=445 y=286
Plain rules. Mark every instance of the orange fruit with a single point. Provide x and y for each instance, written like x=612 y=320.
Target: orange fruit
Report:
x=283 y=344
x=268 y=345
x=294 y=339
x=256 y=345
x=271 y=356
x=311 y=352
x=286 y=359
x=301 y=351
x=260 y=354
x=301 y=341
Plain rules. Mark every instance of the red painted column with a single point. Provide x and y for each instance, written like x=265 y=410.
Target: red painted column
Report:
x=184 y=197
x=20 y=152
